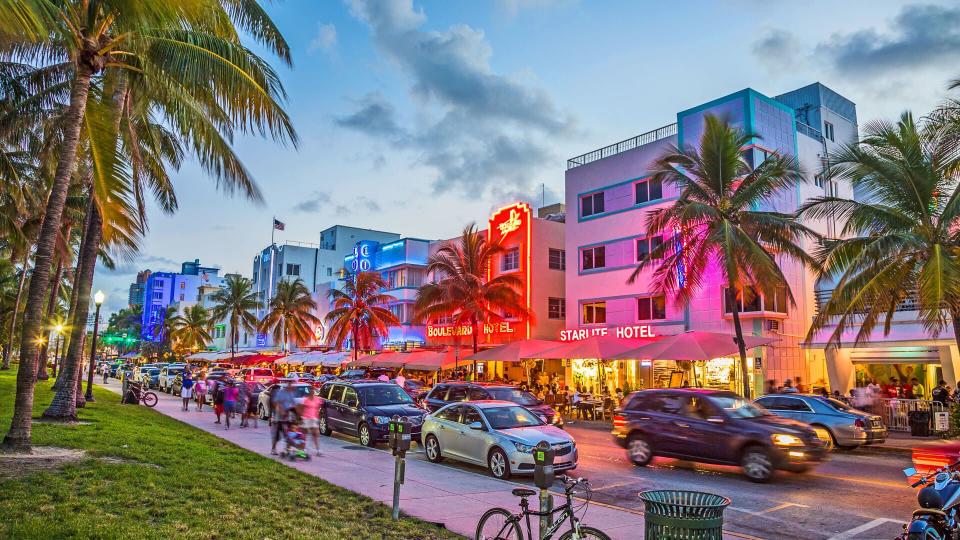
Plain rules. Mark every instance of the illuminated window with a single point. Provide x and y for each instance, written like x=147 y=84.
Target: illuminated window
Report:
x=558 y=259
x=758 y=302
x=556 y=308
x=648 y=190
x=595 y=313
x=591 y=204
x=652 y=308
x=182 y=285
x=510 y=260
x=595 y=257
x=645 y=246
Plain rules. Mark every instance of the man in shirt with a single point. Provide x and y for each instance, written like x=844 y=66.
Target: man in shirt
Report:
x=919 y=392
x=282 y=401
x=941 y=394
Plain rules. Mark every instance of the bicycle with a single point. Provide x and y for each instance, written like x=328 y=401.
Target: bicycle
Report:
x=500 y=524
x=146 y=397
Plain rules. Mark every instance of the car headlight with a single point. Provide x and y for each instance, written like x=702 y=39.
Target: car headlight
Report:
x=783 y=439
x=381 y=419
x=557 y=420
x=525 y=448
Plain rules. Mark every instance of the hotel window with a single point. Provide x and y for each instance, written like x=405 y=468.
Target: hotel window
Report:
x=753 y=304
x=828 y=130
x=591 y=204
x=595 y=257
x=510 y=260
x=158 y=295
x=182 y=285
x=293 y=269
x=652 y=308
x=255 y=276
x=181 y=298
x=645 y=246
x=329 y=271
x=648 y=190
x=595 y=313
x=556 y=308
x=558 y=259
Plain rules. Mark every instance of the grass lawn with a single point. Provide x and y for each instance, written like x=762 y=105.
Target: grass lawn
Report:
x=174 y=481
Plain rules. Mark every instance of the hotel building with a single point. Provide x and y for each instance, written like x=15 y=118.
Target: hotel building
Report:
x=163 y=289
x=610 y=194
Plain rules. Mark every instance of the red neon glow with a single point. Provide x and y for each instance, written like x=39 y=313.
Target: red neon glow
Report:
x=515 y=219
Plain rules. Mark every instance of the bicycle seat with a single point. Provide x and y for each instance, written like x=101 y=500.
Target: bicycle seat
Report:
x=523 y=492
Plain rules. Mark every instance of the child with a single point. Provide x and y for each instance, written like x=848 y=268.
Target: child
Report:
x=296 y=443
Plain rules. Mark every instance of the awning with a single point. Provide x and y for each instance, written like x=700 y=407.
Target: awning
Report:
x=516 y=351
x=600 y=347
x=693 y=346
x=434 y=360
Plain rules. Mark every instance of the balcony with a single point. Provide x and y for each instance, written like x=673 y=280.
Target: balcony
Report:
x=910 y=303
x=623 y=146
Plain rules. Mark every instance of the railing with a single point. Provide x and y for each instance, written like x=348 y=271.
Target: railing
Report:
x=910 y=303
x=809 y=131
x=623 y=146
x=895 y=412
x=301 y=244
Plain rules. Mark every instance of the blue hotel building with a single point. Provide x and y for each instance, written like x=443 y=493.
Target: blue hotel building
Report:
x=163 y=289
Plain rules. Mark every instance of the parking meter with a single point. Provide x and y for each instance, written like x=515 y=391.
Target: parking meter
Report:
x=399 y=435
x=543 y=455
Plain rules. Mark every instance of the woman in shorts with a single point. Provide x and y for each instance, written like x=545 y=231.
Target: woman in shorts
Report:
x=311 y=418
x=186 y=391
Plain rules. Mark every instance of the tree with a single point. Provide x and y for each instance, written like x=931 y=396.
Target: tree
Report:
x=290 y=314
x=902 y=242
x=716 y=225
x=191 y=331
x=462 y=290
x=360 y=312
x=236 y=303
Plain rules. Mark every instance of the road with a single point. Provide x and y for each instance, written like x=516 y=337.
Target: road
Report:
x=855 y=495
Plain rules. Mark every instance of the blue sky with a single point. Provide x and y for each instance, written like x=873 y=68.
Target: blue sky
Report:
x=419 y=116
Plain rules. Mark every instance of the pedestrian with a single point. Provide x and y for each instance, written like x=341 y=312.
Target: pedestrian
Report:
x=186 y=391
x=252 y=412
x=106 y=373
x=919 y=392
x=281 y=402
x=400 y=379
x=200 y=393
x=230 y=400
x=771 y=386
x=788 y=387
x=218 y=399
x=311 y=417
x=800 y=387
x=383 y=378
x=941 y=394
x=243 y=401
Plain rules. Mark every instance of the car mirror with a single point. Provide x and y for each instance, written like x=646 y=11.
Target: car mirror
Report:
x=352 y=404
x=909 y=471
x=476 y=425
x=715 y=419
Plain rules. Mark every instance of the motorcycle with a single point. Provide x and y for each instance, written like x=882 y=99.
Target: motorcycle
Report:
x=937 y=517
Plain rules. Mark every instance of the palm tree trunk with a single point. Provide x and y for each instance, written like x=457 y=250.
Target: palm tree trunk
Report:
x=19 y=435
x=741 y=346
x=73 y=307
x=51 y=304
x=68 y=397
x=955 y=318
x=476 y=346
x=356 y=345
x=16 y=310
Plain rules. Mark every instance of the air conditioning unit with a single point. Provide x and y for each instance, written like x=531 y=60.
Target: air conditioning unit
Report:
x=773 y=325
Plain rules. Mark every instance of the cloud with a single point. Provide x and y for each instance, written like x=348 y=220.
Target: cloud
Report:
x=919 y=36
x=317 y=200
x=325 y=40
x=778 y=50
x=513 y=7
x=141 y=262
x=322 y=201
x=478 y=129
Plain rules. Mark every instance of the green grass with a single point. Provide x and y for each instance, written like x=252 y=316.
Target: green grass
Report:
x=179 y=482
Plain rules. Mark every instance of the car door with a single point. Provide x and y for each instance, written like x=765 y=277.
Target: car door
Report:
x=706 y=436
x=798 y=408
x=437 y=397
x=470 y=444
x=448 y=430
x=350 y=413
x=335 y=407
x=671 y=426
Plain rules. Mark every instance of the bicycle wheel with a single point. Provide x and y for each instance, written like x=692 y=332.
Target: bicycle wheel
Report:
x=586 y=533
x=149 y=399
x=498 y=524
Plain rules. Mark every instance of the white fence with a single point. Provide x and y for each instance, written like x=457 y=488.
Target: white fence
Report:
x=896 y=412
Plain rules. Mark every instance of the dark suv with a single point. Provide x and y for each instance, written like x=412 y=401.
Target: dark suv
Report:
x=453 y=392
x=364 y=408
x=712 y=426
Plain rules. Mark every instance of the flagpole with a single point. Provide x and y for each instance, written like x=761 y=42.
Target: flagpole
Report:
x=273 y=229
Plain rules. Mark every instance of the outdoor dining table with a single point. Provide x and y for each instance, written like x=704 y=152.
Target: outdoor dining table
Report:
x=591 y=407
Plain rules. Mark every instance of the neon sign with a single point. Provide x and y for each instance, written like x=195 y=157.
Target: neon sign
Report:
x=631 y=331
x=450 y=330
x=363 y=253
x=516 y=222
x=511 y=224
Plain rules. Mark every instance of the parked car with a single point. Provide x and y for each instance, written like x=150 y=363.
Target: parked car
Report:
x=455 y=392
x=497 y=434
x=215 y=377
x=263 y=399
x=261 y=375
x=836 y=423
x=713 y=426
x=168 y=374
x=364 y=408
x=150 y=377
x=300 y=376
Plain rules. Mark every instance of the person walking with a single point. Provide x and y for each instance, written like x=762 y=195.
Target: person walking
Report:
x=243 y=399
x=230 y=401
x=186 y=391
x=106 y=373
x=311 y=417
x=252 y=412
x=281 y=402
x=218 y=399
x=771 y=387
x=200 y=393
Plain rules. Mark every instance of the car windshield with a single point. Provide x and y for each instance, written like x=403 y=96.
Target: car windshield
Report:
x=384 y=394
x=836 y=404
x=302 y=390
x=262 y=372
x=738 y=407
x=155 y=371
x=174 y=371
x=513 y=394
x=511 y=417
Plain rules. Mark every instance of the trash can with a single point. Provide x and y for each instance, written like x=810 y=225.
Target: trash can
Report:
x=919 y=423
x=683 y=515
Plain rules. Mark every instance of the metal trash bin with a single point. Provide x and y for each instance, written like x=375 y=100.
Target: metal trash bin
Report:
x=919 y=423
x=683 y=515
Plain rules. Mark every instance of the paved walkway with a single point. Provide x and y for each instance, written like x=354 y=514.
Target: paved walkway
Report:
x=432 y=492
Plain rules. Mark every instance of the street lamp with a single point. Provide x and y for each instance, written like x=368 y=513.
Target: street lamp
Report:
x=56 y=353
x=98 y=299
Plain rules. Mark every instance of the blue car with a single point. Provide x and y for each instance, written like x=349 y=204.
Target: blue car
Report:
x=363 y=408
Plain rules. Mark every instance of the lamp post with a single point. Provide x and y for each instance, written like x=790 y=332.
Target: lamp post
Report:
x=98 y=299
x=56 y=353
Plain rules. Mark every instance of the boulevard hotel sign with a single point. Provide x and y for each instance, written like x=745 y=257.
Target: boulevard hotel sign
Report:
x=630 y=331
x=488 y=329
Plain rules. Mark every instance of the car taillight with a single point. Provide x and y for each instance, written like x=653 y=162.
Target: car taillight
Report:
x=619 y=421
x=859 y=423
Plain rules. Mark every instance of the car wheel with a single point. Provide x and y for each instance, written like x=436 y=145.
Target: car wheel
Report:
x=366 y=438
x=498 y=464
x=639 y=450
x=829 y=443
x=757 y=464
x=322 y=425
x=432 y=449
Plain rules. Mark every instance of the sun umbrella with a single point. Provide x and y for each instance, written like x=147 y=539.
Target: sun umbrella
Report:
x=432 y=360
x=693 y=345
x=602 y=347
x=515 y=351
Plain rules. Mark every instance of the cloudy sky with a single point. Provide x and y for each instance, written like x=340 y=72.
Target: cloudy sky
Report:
x=418 y=116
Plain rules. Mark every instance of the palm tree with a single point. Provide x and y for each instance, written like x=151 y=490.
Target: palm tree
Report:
x=903 y=235
x=291 y=314
x=463 y=291
x=191 y=330
x=360 y=312
x=717 y=225
x=236 y=302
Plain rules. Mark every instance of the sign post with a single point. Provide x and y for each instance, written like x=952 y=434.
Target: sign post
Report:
x=399 y=438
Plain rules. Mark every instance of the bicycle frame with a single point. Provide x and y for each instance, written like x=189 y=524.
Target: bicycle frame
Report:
x=565 y=509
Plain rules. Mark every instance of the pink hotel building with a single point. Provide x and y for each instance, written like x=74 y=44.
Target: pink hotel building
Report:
x=609 y=194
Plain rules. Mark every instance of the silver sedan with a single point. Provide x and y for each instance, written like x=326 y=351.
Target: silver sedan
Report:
x=836 y=423
x=499 y=435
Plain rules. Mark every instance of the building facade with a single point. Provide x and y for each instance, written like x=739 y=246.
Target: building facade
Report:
x=610 y=193
x=136 y=295
x=163 y=289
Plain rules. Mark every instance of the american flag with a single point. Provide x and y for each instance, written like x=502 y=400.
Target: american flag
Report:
x=278 y=225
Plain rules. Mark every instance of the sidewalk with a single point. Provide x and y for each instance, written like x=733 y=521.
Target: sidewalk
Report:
x=432 y=492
